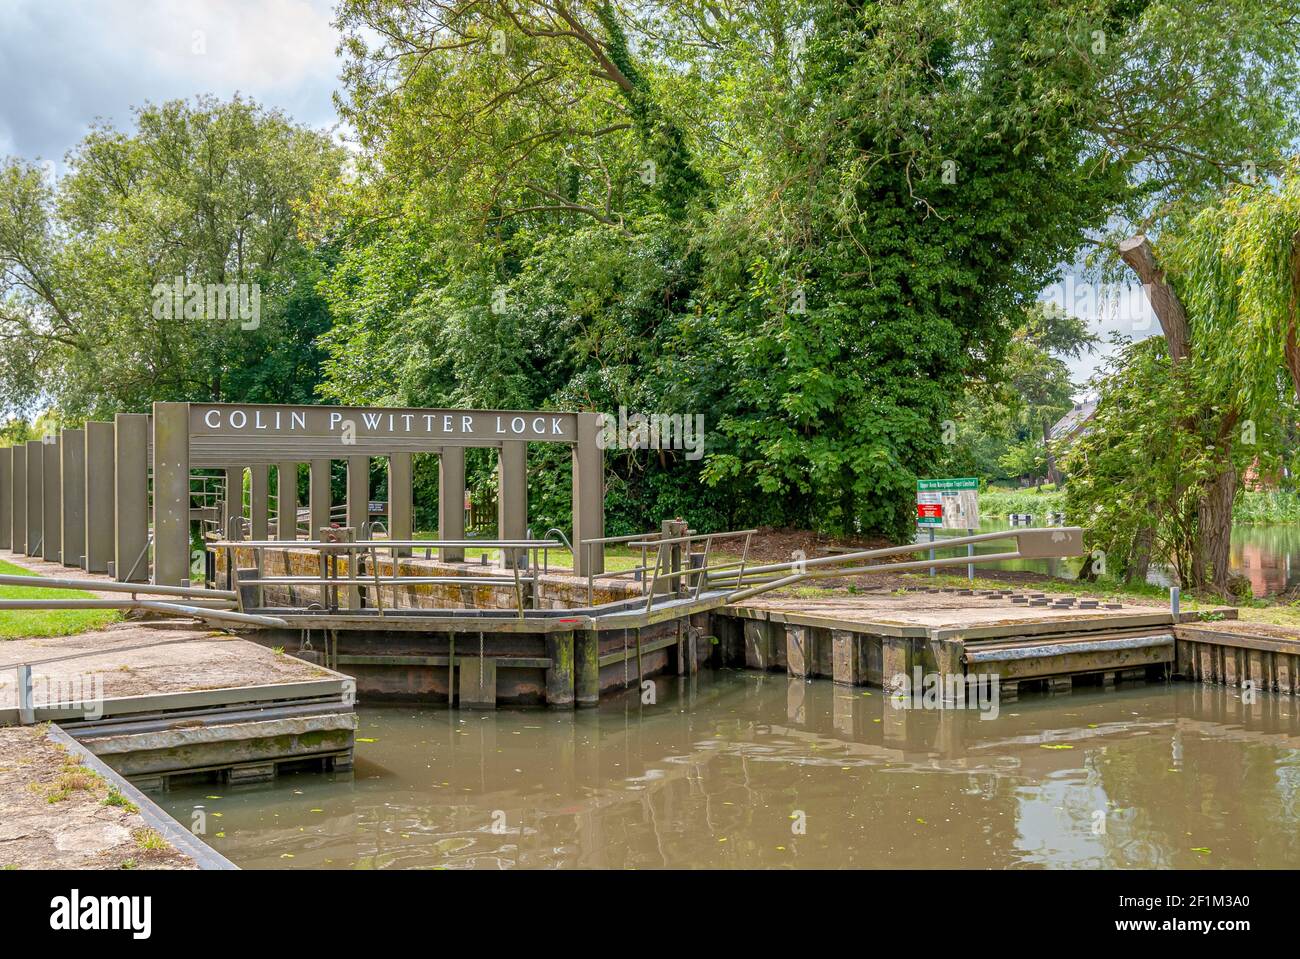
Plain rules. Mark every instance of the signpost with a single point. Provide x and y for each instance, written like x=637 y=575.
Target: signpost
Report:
x=949 y=504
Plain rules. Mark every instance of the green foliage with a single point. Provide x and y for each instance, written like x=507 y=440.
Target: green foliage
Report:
x=207 y=191
x=812 y=222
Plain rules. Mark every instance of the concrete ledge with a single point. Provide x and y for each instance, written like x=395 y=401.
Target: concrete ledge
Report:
x=204 y=856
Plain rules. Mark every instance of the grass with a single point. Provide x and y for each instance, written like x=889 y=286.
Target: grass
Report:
x=1252 y=507
x=24 y=623
x=149 y=839
x=618 y=558
x=115 y=798
x=997 y=503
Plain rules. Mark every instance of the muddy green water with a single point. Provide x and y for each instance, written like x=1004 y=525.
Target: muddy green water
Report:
x=746 y=769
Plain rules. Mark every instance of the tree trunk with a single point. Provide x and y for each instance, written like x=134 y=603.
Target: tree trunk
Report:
x=1053 y=476
x=1140 y=562
x=1214 y=529
x=1137 y=253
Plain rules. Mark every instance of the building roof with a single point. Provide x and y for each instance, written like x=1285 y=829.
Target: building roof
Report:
x=1074 y=421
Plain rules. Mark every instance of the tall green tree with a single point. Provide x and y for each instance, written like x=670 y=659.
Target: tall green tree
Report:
x=199 y=193
x=814 y=222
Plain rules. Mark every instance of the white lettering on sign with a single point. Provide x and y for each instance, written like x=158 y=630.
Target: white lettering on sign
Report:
x=438 y=424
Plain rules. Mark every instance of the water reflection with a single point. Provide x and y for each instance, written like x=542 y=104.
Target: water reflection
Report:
x=746 y=770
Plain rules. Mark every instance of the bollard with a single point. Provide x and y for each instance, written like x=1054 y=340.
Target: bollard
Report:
x=26 y=710
x=1173 y=601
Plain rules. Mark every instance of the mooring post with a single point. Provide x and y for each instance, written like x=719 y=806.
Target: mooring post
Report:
x=26 y=708
x=586 y=665
x=846 y=660
x=1173 y=602
x=72 y=469
x=559 y=678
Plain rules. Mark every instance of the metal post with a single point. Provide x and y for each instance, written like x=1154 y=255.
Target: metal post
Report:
x=932 y=550
x=35 y=492
x=1174 y=596
x=131 y=494
x=6 y=497
x=51 y=499
x=26 y=709
x=970 y=551
x=100 y=522
x=286 y=501
x=589 y=491
x=18 y=499
x=72 y=453
x=451 y=501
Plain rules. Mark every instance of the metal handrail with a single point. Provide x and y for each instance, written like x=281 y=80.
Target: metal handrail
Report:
x=1030 y=544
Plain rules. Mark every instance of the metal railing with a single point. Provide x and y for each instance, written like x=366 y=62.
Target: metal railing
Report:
x=1030 y=544
x=330 y=582
x=666 y=548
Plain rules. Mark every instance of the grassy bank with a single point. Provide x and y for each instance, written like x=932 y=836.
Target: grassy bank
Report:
x=1252 y=508
x=995 y=504
x=24 y=623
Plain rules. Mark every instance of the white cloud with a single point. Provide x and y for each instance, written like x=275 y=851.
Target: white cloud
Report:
x=62 y=65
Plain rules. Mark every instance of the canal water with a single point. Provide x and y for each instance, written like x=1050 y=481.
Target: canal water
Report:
x=745 y=769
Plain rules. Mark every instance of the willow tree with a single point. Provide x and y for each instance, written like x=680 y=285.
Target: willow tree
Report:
x=1225 y=287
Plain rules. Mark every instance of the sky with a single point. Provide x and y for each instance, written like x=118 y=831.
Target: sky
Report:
x=64 y=64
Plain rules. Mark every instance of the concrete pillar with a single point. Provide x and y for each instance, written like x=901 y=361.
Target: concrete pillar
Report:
x=6 y=497
x=588 y=494
x=451 y=499
x=72 y=450
x=18 y=499
x=99 y=497
x=401 y=523
x=35 y=490
x=512 y=495
x=358 y=491
x=51 y=499
x=259 y=501
x=319 y=497
x=171 y=493
x=131 y=496
x=286 y=501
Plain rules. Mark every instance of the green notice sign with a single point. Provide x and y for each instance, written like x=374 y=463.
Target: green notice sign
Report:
x=948 y=503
